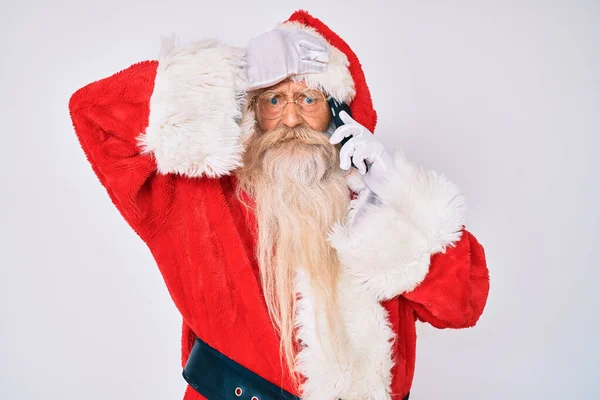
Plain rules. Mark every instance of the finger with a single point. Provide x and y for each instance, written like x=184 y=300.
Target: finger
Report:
x=359 y=158
x=319 y=56
x=341 y=133
x=345 y=157
x=346 y=118
x=312 y=43
x=347 y=151
x=312 y=55
x=311 y=67
x=362 y=167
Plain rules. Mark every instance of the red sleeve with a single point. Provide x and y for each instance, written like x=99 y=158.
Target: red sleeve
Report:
x=108 y=115
x=455 y=290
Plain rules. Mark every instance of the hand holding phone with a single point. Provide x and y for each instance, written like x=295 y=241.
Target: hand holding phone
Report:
x=336 y=108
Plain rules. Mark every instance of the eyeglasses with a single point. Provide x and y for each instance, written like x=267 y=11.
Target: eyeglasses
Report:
x=310 y=102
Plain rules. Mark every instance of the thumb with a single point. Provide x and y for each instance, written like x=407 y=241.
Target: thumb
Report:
x=346 y=118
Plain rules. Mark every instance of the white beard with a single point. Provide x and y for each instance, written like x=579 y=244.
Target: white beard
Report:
x=299 y=192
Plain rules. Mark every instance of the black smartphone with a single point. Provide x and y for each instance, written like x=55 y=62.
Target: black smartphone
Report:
x=336 y=108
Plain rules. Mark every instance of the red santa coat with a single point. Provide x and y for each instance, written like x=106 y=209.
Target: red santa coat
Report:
x=163 y=138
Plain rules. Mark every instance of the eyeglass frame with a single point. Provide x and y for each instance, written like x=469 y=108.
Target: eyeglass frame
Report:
x=254 y=102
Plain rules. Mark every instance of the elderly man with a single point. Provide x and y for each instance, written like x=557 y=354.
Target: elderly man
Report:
x=298 y=249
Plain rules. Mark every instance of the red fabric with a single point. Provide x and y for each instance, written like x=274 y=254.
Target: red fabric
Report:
x=443 y=299
x=203 y=245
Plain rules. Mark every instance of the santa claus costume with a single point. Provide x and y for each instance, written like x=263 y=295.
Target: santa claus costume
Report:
x=164 y=137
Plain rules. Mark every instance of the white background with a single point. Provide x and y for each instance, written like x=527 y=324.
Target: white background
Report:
x=501 y=96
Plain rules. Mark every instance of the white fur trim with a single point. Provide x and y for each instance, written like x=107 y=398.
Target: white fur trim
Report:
x=387 y=250
x=337 y=80
x=360 y=369
x=196 y=108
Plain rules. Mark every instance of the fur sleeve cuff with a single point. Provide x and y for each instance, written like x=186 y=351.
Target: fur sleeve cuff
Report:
x=196 y=109
x=389 y=247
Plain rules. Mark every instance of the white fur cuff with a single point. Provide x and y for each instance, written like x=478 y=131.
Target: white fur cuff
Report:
x=388 y=249
x=196 y=108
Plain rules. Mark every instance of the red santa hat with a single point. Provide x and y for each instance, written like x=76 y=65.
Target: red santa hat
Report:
x=344 y=79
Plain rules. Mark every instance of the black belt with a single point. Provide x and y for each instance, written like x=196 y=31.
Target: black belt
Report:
x=217 y=377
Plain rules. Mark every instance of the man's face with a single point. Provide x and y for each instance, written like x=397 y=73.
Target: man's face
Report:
x=318 y=118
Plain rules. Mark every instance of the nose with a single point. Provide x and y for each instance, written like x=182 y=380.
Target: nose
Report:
x=291 y=116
